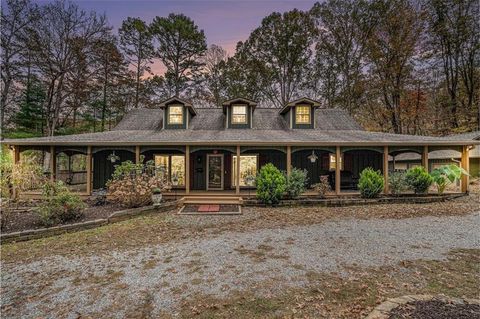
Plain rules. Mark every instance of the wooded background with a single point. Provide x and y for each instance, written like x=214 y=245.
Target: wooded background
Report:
x=397 y=66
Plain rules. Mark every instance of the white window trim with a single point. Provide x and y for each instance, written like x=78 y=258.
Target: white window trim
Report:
x=309 y=115
x=169 y=114
x=246 y=114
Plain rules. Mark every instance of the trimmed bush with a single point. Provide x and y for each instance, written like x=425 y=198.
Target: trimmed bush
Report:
x=296 y=182
x=397 y=182
x=370 y=183
x=59 y=205
x=323 y=187
x=271 y=184
x=418 y=179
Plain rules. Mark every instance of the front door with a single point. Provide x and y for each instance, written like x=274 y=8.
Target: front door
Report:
x=215 y=172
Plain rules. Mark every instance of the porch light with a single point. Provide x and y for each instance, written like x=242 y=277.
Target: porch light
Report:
x=113 y=158
x=312 y=157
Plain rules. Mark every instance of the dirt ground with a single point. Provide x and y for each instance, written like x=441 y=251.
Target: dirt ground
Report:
x=289 y=262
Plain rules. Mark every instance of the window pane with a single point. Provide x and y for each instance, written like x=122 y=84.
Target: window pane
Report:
x=248 y=170
x=161 y=166
x=239 y=114
x=333 y=162
x=175 y=115
x=178 y=169
x=302 y=114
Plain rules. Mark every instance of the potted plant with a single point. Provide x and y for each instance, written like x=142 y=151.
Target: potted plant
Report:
x=156 y=196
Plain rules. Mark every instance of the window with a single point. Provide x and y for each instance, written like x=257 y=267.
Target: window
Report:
x=302 y=114
x=175 y=114
x=248 y=169
x=239 y=114
x=171 y=168
x=333 y=161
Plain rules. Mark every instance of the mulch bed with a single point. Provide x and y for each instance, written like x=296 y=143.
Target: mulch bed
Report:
x=435 y=309
x=26 y=218
x=200 y=209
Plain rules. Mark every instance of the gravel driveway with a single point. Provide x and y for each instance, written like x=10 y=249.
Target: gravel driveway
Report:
x=115 y=285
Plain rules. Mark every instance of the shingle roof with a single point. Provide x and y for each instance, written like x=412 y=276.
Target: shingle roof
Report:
x=143 y=126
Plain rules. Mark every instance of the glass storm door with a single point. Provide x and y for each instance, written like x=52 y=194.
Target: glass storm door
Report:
x=215 y=172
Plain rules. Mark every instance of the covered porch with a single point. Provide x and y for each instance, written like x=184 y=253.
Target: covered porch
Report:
x=204 y=170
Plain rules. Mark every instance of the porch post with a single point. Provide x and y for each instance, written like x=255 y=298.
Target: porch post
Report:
x=89 y=170
x=53 y=163
x=465 y=162
x=137 y=154
x=385 y=170
x=237 y=178
x=16 y=159
x=338 y=156
x=187 y=169
x=289 y=159
x=425 y=158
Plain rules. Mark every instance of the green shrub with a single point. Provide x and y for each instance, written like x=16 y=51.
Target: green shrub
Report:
x=323 y=186
x=59 y=205
x=397 y=182
x=418 y=179
x=271 y=184
x=296 y=182
x=444 y=175
x=370 y=183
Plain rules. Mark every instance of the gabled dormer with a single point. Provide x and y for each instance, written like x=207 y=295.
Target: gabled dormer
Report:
x=239 y=113
x=300 y=113
x=177 y=113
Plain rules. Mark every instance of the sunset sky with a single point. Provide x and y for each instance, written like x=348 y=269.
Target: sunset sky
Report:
x=224 y=22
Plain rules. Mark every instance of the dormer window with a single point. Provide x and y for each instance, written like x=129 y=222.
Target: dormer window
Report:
x=175 y=114
x=239 y=114
x=302 y=114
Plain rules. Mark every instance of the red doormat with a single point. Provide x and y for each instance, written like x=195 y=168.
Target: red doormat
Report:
x=208 y=208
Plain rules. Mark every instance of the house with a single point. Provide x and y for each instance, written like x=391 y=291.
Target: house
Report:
x=439 y=158
x=201 y=149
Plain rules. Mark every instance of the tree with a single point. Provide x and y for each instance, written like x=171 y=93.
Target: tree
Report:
x=15 y=16
x=344 y=29
x=214 y=60
x=30 y=116
x=110 y=67
x=180 y=47
x=279 y=51
x=392 y=47
x=136 y=43
x=455 y=33
x=55 y=41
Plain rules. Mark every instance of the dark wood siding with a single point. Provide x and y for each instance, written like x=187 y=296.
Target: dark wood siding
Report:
x=103 y=168
x=277 y=158
x=198 y=169
x=315 y=170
